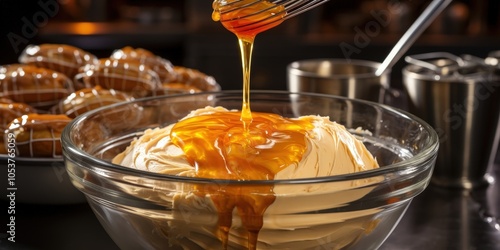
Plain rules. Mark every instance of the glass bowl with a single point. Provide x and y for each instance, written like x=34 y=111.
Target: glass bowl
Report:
x=144 y=210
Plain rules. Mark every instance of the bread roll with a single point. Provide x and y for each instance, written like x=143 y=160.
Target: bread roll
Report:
x=59 y=57
x=88 y=99
x=123 y=75
x=38 y=87
x=178 y=88
x=38 y=135
x=161 y=66
x=10 y=111
x=195 y=79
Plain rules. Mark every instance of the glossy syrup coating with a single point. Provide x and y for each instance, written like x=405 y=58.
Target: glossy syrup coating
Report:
x=247 y=18
x=88 y=99
x=62 y=58
x=38 y=135
x=171 y=76
x=196 y=79
x=177 y=88
x=125 y=75
x=221 y=147
x=38 y=87
x=163 y=67
x=10 y=110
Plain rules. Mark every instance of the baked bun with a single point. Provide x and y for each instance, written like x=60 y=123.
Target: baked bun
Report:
x=88 y=99
x=121 y=74
x=193 y=78
x=178 y=88
x=38 y=87
x=38 y=135
x=161 y=66
x=10 y=111
x=59 y=57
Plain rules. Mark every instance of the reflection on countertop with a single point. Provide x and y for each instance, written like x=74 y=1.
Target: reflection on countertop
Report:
x=451 y=219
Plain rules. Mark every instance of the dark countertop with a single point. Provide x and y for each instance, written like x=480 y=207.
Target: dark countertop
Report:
x=436 y=219
x=451 y=219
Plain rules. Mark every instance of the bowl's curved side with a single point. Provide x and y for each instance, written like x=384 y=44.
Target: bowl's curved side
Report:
x=135 y=228
x=356 y=210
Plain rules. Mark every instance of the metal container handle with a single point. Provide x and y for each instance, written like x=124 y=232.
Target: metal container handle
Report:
x=471 y=60
x=422 y=61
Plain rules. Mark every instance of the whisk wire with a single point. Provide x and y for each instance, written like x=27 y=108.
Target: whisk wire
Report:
x=301 y=6
x=252 y=14
x=238 y=6
x=263 y=22
x=291 y=8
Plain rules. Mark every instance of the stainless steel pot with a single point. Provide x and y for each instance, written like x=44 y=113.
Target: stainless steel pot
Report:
x=461 y=99
x=349 y=78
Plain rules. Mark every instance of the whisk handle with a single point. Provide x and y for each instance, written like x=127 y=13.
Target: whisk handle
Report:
x=415 y=30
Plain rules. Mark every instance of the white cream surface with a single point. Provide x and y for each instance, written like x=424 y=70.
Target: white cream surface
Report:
x=331 y=150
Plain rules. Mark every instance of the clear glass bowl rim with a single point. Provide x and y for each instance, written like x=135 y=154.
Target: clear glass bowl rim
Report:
x=420 y=160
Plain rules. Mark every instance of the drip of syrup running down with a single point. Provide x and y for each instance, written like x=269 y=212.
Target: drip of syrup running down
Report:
x=242 y=145
x=220 y=147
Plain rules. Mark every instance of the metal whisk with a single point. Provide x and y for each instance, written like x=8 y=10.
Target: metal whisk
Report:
x=279 y=8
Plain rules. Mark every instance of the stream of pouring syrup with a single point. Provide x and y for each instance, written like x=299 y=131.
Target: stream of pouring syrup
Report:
x=246 y=29
x=245 y=24
x=239 y=145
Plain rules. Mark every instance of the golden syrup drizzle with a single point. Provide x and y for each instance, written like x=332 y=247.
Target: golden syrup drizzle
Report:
x=246 y=48
x=242 y=145
x=246 y=23
x=220 y=147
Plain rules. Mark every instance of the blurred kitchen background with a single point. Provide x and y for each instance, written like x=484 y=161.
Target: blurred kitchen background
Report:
x=183 y=32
